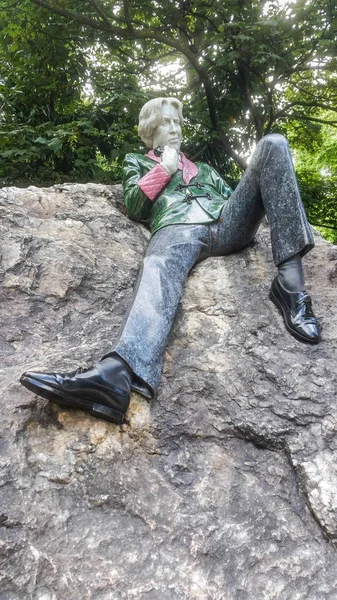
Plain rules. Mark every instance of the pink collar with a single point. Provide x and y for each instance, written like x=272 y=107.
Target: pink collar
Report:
x=188 y=168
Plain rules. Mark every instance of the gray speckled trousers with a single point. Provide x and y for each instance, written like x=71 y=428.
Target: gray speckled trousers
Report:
x=269 y=187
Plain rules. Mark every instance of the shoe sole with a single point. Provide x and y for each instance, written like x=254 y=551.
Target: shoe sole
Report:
x=99 y=411
x=296 y=335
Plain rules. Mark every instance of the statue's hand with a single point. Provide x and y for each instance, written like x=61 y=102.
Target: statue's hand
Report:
x=170 y=160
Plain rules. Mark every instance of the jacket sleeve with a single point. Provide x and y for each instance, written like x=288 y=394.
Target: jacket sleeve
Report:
x=154 y=182
x=140 y=190
x=137 y=204
x=220 y=185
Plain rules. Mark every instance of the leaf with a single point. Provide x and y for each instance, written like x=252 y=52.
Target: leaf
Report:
x=41 y=140
x=55 y=144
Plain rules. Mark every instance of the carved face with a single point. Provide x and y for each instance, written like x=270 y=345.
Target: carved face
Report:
x=168 y=132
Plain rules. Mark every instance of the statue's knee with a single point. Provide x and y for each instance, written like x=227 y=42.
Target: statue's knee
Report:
x=153 y=261
x=276 y=139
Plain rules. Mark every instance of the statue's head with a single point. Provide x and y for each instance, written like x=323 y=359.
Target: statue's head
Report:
x=160 y=122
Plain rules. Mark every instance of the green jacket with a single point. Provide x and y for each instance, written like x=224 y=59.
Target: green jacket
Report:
x=195 y=194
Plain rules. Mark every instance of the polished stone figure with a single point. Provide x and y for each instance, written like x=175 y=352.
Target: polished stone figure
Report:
x=193 y=214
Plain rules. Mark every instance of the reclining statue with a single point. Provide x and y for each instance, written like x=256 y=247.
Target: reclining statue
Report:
x=193 y=214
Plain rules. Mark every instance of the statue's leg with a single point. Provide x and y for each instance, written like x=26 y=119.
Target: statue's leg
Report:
x=171 y=254
x=269 y=187
x=136 y=360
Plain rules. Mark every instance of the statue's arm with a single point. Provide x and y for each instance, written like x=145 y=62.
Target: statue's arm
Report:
x=137 y=204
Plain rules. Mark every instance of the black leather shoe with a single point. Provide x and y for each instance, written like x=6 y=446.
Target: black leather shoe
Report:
x=94 y=390
x=297 y=312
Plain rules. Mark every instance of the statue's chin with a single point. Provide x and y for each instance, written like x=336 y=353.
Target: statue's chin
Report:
x=176 y=146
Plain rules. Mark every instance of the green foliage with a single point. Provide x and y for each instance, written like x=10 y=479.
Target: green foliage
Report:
x=49 y=153
x=52 y=128
x=315 y=150
x=74 y=75
x=317 y=174
x=319 y=195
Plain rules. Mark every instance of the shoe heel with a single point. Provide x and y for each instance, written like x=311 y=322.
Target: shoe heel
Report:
x=107 y=413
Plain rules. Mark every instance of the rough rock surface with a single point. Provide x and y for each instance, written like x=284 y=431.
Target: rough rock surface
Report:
x=225 y=487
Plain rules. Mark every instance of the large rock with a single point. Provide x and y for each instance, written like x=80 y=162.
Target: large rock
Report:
x=224 y=487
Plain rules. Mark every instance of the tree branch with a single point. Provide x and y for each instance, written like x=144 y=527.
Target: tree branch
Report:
x=83 y=20
x=127 y=16
x=326 y=98
x=227 y=146
x=286 y=108
x=315 y=119
x=322 y=225
x=148 y=34
x=101 y=12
